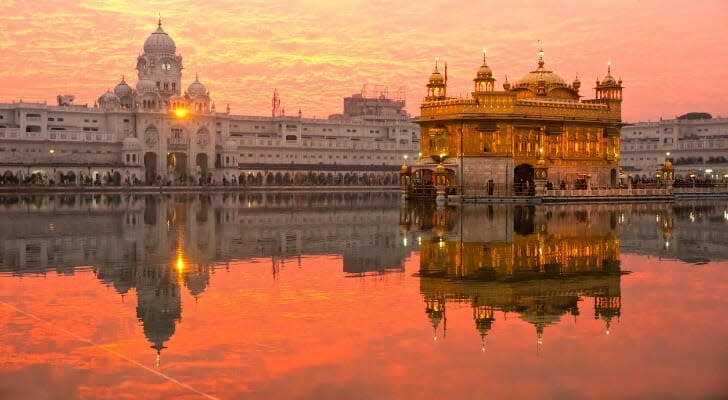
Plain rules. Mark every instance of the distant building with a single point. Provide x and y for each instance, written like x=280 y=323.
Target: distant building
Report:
x=156 y=132
x=695 y=143
x=503 y=137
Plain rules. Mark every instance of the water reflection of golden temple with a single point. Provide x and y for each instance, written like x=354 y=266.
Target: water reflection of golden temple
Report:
x=537 y=262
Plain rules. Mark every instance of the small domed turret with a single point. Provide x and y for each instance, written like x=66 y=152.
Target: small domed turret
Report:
x=122 y=89
x=196 y=88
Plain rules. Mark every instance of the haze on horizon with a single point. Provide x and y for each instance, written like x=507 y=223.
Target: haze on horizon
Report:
x=670 y=54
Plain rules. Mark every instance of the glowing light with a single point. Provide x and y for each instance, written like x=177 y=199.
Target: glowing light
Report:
x=52 y=151
x=404 y=241
x=180 y=264
x=180 y=113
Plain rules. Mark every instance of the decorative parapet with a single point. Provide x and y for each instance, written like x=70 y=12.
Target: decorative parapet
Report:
x=506 y=104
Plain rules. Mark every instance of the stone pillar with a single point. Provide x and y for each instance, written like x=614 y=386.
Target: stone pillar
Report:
x=540 y=177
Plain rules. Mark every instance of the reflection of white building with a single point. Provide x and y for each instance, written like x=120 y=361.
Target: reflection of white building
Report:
x=158 y=131
x=697 y=144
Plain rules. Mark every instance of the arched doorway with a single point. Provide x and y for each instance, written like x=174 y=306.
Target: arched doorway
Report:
x=523 y=179
x=201 y=166
x=150 y=168
x=177 y=166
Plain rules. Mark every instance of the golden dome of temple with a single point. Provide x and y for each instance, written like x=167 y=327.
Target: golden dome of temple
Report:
x=436 y=78
x=484 y=72
x=540 y=74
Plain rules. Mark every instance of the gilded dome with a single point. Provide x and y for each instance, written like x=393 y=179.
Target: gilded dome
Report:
x=159 y=42
x=609 y=81
x=540 y=74
x=196 y=88
x=484 y=72
x=436 y=78
x=122 y=89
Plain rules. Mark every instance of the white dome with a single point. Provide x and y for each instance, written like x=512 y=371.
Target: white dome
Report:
x=159 y=43
x=145 y=86
x=196 y=88
x=108 y=97
x=122 y=89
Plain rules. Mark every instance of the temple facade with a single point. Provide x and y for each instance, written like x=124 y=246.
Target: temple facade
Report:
x=517 y=140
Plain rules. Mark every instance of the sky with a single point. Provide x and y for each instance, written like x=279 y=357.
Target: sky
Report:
x=671 y=55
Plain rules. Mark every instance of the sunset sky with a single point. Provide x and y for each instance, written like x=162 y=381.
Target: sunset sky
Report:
x=671 y=55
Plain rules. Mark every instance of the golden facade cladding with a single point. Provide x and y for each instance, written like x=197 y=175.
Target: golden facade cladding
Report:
x=538 y=123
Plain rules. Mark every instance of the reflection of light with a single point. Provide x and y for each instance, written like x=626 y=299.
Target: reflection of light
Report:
x=725 y=215
x=442 y=243
x=667 y=244
x=404 y=241
x=657 y=218
x=419 y=240
x=180 y=262
x=607 y=332
x=692 y=217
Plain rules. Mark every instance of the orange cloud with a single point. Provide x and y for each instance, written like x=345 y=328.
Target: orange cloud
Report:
x=669 y=54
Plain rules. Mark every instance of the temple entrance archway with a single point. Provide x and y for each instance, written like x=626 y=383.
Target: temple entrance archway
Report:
x=523 y=179
x=150 y=168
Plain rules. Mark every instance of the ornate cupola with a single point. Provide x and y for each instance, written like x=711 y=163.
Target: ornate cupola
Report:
x=484 y=81
x=576 y=84
x=609 y=88
x=506 y=84
x=437 y=85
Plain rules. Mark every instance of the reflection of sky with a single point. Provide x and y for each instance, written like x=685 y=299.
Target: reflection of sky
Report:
x=317 y=51
x=311 y=333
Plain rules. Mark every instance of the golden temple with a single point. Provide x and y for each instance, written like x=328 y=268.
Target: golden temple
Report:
x=535 y=132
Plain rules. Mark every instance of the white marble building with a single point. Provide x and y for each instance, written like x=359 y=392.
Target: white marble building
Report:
x=156 y=132
x=696 y=144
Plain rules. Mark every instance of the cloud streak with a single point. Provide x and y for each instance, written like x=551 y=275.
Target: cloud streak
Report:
x=315 y=52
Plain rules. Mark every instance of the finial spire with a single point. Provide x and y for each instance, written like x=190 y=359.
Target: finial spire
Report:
x=484 y=52
x=197 y=76
x=159 y=24
x=540 y=54
x=609 y=68
x=436 y=59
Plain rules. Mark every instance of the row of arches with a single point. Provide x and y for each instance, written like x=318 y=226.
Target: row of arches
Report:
x=315 y=178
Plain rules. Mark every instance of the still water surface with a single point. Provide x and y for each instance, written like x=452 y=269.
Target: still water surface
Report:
x=356 y=296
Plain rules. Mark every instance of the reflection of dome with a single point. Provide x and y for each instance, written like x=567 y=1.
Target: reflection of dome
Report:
x=159 y=42
x=405 y=170
x=145 y=86
x=196 y=88
x=122 y=89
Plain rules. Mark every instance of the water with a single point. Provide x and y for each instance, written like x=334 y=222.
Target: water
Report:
x=331 y=296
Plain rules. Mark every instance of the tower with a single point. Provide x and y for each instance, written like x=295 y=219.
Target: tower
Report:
x=436 y=86
x=159 y=70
